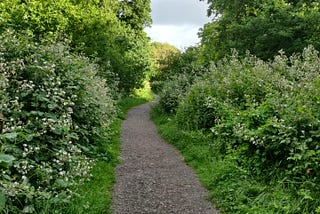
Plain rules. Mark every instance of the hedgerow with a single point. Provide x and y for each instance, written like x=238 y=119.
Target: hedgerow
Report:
x=175 y=78
x=263 y=115
x=56 y=112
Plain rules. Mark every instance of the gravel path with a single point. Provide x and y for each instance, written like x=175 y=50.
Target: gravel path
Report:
x=152 y=177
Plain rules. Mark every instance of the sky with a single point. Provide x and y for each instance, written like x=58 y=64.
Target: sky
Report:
x=177 y=22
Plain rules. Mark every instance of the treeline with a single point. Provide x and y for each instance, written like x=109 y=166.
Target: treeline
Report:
x=63 y=66
x=262 y=27
x=250 y=90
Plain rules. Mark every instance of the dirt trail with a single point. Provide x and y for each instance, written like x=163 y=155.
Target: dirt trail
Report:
x=152 y=177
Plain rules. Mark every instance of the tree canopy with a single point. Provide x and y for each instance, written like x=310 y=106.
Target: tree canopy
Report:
x=262 y=27
x=109 y=30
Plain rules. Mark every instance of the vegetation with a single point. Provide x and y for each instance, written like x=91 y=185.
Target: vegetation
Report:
x=262 y=27
x=260 y=119
x=243 y=107
x=164 y=56
x=109 y=30
x=64 y=66
x=246 y=119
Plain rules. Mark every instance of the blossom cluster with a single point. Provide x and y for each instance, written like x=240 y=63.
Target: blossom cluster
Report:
x=54 y=106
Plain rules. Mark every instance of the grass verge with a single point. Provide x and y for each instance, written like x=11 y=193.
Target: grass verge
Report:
x=231 y=188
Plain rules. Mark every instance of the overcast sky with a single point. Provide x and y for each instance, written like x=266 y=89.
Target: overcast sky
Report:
x=177 y=22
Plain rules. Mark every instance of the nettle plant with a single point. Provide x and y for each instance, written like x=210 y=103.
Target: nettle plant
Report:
x=54 y=110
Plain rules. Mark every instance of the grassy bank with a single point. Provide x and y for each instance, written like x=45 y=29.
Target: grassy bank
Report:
x=232 y=189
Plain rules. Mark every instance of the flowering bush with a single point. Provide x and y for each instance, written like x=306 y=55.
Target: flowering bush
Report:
x=265 y=115
x=173 y=91
x=55 y=111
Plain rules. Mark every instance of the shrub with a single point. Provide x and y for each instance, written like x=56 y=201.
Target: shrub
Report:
x=55 y=109
x=263 y=114
x=173 y=91
x=199 y=109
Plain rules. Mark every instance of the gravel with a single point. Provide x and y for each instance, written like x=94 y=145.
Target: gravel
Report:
x=152 y=177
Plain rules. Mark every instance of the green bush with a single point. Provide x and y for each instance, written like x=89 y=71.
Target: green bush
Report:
x=199 y=110
x=55 y=113
x=263 y=114
x=94 y=28
x=173 y=91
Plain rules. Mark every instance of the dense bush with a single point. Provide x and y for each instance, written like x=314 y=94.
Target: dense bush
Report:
x=170 y=63
x=174 y=75
x=56 y=110
x=173 y=91
x=200 y=110
x=265 y=115
x=106 y=29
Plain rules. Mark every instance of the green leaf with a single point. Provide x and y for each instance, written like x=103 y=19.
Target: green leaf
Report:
x=62 y=183
x=27 y=137
x=53 y=106
x=10 y=136
x=73 y=136
x=6 y=160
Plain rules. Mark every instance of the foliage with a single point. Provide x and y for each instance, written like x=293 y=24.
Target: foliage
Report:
x=96 y=28
x=173 y=92
x=62 y=65
x=56 y=113
x=232 y=188
x=175 y=88
x=136 y=13
x=199 y=109
x=262 y=27
x=176 y=72
x=263 y=116
x=164 y=57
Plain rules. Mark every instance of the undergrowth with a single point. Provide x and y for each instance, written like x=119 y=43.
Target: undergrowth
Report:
x=232 y=189
x=263 y=122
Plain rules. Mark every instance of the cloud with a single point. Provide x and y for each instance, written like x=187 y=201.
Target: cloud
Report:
x=180 y=36
x=179 y=12
x=177 y=22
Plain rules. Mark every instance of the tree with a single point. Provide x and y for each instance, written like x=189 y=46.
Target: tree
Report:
x=109 y=30
x=135 y=13
x=162 y=53
x=262 y=27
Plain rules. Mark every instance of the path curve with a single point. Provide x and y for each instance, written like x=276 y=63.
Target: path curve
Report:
x=152 y=177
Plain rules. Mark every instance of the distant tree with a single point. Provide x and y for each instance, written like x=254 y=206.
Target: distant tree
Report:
x=162 y=54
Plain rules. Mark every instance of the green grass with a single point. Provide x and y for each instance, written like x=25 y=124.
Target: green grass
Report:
x=95 y=195
x=139 y=96
x=231 y=188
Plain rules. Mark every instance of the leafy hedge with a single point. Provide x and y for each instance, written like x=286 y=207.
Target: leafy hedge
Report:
x=174 y=75
x=56 y=111
x=96 y=28
x=263 y=115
